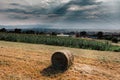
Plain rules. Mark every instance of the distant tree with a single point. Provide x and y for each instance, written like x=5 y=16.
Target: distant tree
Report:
x=17 y=30
x=72 y=33
x=83 y=34
x=77 y=34
x=3 y=30
x=30 y=32
x=100 y=35
x=41 y=32
x=37 y=32
x=54 y=33
x=115 y=40
x=108 y=37
x=10 y=31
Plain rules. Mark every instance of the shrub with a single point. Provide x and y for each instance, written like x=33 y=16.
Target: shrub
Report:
x=115 y=40
x=100 y=35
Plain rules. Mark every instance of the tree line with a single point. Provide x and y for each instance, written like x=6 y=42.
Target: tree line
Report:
x=99 y=35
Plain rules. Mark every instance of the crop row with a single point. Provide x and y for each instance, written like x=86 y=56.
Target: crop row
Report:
x=59 y=41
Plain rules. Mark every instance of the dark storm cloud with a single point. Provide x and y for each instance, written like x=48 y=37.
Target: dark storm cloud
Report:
x=15 y=4
x=18 y=17
x=71 y=11
x=76 y=10
x=15 y=10
x=65 y=11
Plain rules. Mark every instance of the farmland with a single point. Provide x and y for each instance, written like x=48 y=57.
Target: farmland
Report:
x=60 y=41
x=23 y=61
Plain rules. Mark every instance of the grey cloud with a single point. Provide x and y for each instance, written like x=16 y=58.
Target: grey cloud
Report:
x=15 y=4
x=60 y=10
x=79 y=14
x=19 y=17
x=24 y=11
x=15 y=10
x=73 y=10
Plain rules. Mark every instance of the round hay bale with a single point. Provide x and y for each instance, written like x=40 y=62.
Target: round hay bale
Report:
x=62 y=59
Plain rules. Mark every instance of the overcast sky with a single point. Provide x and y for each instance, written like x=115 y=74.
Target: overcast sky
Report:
x=90 y=13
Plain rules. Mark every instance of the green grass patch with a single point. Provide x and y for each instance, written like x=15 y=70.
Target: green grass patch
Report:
x=60 y=41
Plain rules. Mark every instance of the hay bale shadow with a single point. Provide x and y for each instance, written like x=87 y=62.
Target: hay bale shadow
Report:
x=51 y=71
x=61 y=61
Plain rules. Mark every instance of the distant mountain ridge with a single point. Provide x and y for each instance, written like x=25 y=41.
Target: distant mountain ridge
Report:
x=51 y=28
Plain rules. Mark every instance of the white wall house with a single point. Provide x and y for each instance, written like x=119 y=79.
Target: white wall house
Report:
x=63 y=35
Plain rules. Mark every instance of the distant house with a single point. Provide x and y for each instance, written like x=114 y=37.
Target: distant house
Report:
x=63 y=35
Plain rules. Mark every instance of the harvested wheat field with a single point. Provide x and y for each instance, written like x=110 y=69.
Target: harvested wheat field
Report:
x=21 y=61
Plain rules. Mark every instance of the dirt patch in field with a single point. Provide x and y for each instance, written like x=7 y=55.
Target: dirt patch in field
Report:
x=23 y=64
